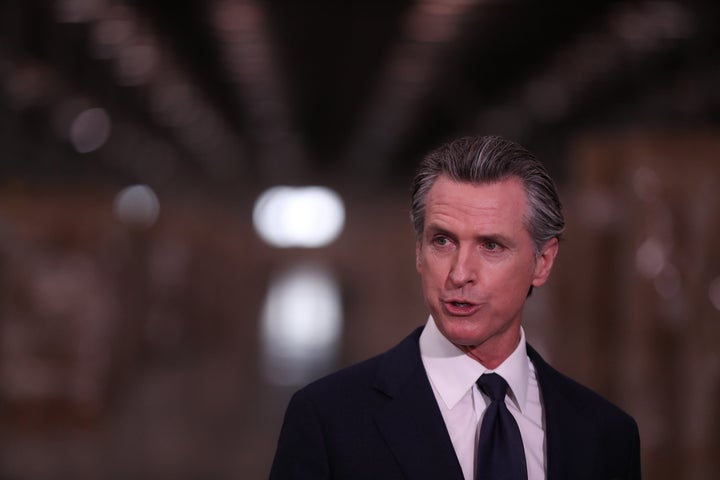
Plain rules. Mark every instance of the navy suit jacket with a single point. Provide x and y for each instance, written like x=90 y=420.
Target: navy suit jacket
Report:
x=379 y=420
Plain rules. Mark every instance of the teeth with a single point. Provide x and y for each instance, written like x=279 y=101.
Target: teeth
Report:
x=460 y=304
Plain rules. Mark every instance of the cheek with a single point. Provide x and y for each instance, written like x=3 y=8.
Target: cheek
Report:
x=508 y=281
x=431 y=272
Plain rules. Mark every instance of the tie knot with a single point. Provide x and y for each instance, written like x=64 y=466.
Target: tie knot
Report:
x=493 y=385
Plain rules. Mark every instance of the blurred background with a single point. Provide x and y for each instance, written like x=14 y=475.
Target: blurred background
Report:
x=204 y=205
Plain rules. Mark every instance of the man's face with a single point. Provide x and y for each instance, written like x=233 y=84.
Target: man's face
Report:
x=477 y=262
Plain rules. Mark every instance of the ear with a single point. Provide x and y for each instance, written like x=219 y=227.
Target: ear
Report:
x=418 y=262
x=544 y=262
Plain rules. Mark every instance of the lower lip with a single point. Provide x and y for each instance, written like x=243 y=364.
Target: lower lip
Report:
x=461 y=310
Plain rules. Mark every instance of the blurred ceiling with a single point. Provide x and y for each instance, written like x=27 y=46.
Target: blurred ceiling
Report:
x=225 y=93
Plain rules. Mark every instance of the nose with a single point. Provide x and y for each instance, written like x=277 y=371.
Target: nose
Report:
x=463 y=269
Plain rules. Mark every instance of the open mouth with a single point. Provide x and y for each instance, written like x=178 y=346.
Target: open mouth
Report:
x=460 y=304
x=459 y=307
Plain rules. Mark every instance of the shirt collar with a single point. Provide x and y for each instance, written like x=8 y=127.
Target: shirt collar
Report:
x=453 y=373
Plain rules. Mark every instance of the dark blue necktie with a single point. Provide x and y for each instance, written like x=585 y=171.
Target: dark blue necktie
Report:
x=500 y=454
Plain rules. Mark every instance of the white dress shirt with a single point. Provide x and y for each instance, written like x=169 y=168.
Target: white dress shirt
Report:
x=453 y=374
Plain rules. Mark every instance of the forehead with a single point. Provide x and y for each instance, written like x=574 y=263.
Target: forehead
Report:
x=503 y=201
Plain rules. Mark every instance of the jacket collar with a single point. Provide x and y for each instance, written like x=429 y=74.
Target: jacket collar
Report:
x=412 y=425
x=410 y=420
x=566 y=426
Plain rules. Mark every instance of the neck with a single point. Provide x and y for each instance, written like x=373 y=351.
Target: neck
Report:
x=491 y=357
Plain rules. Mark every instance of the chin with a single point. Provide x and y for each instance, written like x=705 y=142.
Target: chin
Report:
x=462 y=333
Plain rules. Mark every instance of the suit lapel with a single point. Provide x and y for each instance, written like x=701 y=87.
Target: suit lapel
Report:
x=410 y=420
x=566 y=429
x=412 y=425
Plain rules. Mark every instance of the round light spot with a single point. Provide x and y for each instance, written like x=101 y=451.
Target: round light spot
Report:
x=90 y=130
x=301 y=324
x=137 y=205
x=307 y=217
x=650 y=258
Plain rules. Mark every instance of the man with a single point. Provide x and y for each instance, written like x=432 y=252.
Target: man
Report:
x=488 y=221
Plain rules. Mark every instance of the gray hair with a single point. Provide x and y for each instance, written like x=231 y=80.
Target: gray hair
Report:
x=490 y=159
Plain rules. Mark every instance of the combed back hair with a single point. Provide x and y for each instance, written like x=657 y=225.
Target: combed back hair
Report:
x=490 y=159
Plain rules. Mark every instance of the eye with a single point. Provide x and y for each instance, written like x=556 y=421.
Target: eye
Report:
x=440 y=241
x=492 y=246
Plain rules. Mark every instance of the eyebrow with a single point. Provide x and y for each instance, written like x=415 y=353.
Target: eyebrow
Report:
x=434 y=228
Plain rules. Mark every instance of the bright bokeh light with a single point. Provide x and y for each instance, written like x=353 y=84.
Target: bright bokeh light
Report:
x=137 y=205
x=307 y=217
x=90 y=130
x=650 y=258
x=301 y=325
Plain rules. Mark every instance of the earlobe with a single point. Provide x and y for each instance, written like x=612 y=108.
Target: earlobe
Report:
x=545 y=262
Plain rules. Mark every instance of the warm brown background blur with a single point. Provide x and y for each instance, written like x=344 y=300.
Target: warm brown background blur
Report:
x=132 y=344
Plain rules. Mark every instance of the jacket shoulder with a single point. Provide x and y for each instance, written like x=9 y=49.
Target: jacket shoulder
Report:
x=367 y=374
x=585 y=399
